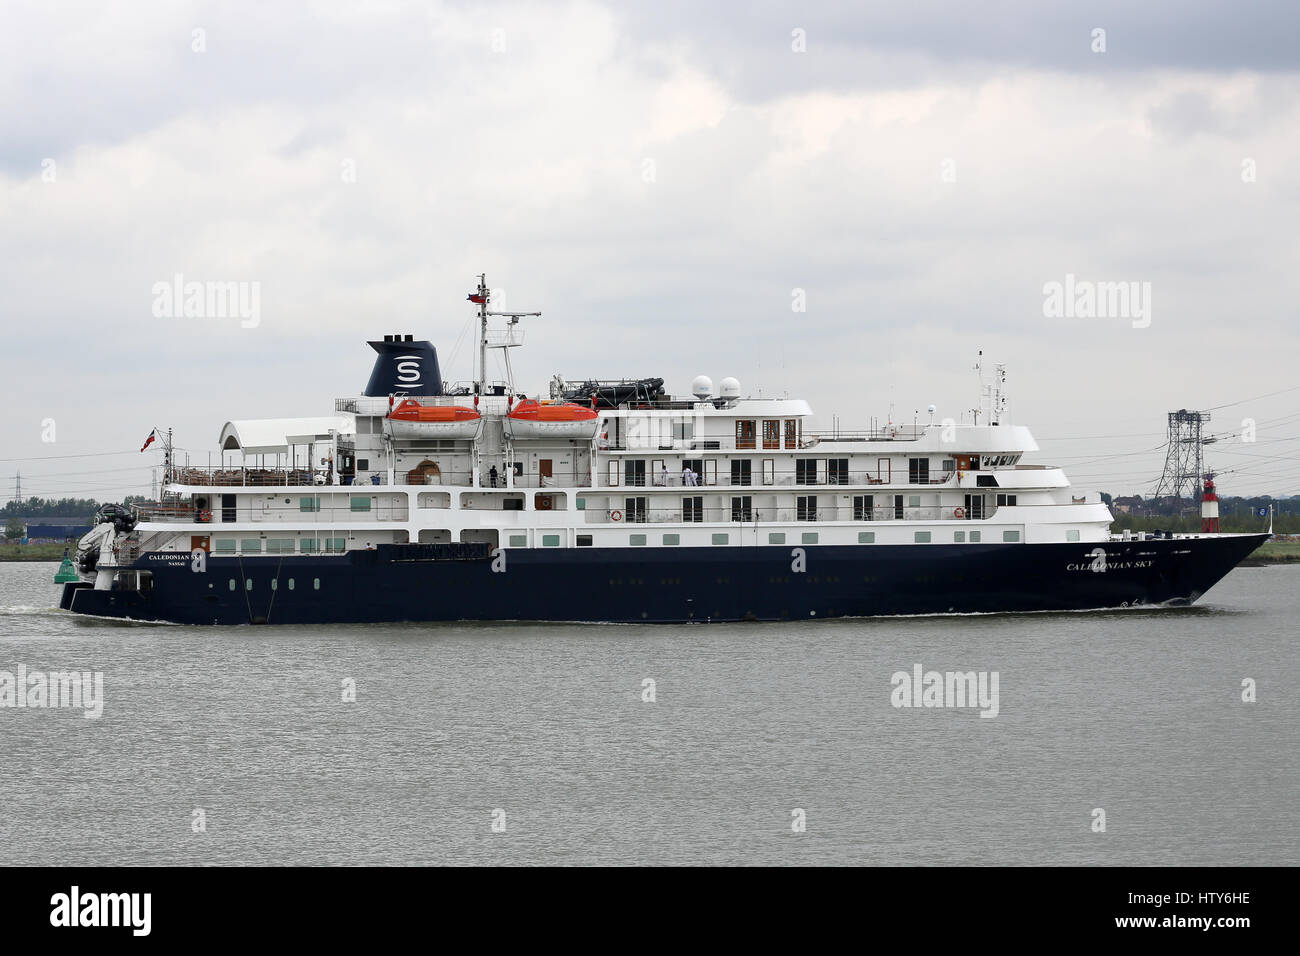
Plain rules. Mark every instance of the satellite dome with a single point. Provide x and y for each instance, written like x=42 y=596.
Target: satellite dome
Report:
x=729 y=387
x=702 y=387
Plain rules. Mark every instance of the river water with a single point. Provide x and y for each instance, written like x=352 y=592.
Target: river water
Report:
x=764 y=743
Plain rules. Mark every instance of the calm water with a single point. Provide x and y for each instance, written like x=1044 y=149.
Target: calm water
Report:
x=1136 y=712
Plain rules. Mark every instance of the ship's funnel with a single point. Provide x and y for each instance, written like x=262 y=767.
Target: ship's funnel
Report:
x=404 y=366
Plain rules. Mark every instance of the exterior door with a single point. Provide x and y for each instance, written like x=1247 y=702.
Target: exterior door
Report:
x=198 y=541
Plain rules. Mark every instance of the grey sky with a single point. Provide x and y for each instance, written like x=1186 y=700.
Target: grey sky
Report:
x=658 y=180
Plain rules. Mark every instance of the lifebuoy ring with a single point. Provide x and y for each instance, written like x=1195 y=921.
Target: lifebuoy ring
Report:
x=616 y=515
x=959 y=512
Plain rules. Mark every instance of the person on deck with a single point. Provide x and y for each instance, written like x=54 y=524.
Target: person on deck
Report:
x=492 y=476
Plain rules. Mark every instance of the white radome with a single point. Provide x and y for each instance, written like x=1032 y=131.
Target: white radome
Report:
x=702 y=387
x=729 y=387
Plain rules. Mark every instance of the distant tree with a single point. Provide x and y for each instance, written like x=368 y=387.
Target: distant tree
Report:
x=14 y=528
x=1106 y=498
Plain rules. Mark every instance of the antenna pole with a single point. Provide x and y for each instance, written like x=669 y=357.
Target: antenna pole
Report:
x=481 y=387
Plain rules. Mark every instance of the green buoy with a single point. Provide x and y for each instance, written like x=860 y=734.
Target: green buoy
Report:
x=67 y=573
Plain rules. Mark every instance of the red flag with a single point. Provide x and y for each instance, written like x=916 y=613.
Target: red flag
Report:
x=149 y=441
x=477 y=299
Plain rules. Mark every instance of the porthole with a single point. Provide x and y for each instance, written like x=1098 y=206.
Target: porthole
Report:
x=315 y=583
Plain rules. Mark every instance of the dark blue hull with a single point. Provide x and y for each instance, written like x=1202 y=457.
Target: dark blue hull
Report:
x=397 y=583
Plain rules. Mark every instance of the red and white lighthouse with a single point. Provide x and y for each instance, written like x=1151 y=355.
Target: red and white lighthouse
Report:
x=1209 y=508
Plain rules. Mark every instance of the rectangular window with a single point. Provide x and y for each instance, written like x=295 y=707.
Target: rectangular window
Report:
x=1010 y=535
x=918 y=471
x=742 y=508
x=809 y=537
x=360 y=504
x=866 y=537
x=805 y=508
x=791 y=441
x=634 y=472
x=309 y=504
x=308 y=545
x=279 y=545
x=745 y=433
x=721 y=538
x=224 y=546
x=776 y=537
x=672 y=540
x=250 y=545
x=771 y=433
x=805 y=471
x=741 y=472
x=683 y=431
x=363 y=464
x=634 y=510
x=1072 y=535
x=636 y=540
x=959 y=536
x=837 y=471
x=693 y=508
x=769 y=471
x=335 y=545
x=582 y=504
x=550 y=541
x=863 y=507
x=974 y=537
x=1008 y=500
x=518 y=541
x=914 y=501
x=922 y=537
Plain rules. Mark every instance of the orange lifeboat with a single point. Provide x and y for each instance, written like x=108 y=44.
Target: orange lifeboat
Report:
x=410 y=419
x=534 y=419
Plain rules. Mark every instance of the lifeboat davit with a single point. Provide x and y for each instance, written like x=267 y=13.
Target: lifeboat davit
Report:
x=534 y=419
x=410 y=419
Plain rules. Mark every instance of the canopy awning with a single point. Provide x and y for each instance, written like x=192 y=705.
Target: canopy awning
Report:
x=271 y=436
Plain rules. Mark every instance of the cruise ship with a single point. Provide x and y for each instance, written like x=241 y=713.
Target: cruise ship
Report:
x=616 y=501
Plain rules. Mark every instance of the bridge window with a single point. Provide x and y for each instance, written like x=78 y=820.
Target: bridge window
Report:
x=771 y=433
x=745 y=433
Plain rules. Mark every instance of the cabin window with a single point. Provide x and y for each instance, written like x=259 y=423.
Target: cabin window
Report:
x=1010 y=535
x=250 y=545
x=308 y=545
x=806 y=508
x=863 y=507
x=696 y=467
x=672 y=540
x=1008 y=500
x=248 y=584
x=336 y=545
x=636 y=540
x=275 y=584
x=224 y=546
x=805 y=471
x=745 y=433
x=360 y=504
x=959 y=537
x=683 y=431
x=914 y=501
x=837 y=471
x=279 y=545
x=309 y=504
x=776 y=537
x=363 y=464
x=809 y=537
x=918 y=471
x=986 y=481
x=584 y=541
x=693 y=508
x=291 y=584
x=1072 y=535
x=721 y=538
x=315 y=584
x=232 y=584
x=949 y=464
x=634 y=510
x=921 y=537
x=866 y=537
x=771 y=433
x=582 y=504
x=634 y=472
x=550 y=541
x=518 y=541
x=741 y=473
x=974 y=537
x=742 y=508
